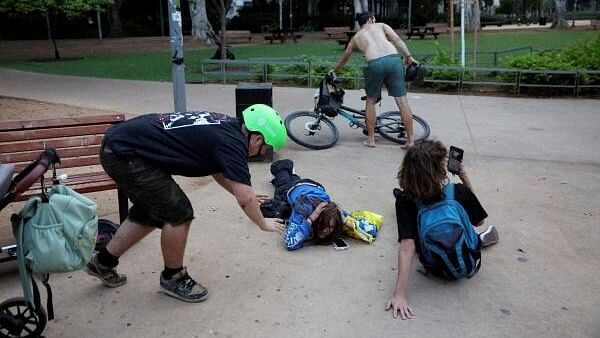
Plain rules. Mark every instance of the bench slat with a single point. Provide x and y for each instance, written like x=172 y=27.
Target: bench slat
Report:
x=80 y=188
x=67 y=163
x=22 y=135
x=61 y=122
x=72 y=141
x=63 y=153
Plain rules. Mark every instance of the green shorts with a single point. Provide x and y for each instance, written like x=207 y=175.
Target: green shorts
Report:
x=387 y=70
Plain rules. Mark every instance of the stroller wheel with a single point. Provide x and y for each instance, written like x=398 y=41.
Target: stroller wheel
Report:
x=106 y=231
x=17 y=319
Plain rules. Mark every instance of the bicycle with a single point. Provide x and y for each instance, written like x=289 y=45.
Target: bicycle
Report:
x=306 y=127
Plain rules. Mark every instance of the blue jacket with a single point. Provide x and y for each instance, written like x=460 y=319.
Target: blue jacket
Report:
x=300 y=198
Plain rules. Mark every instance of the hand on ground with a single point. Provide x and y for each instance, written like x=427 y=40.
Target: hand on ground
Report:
x=399 y=305
x=274 y=224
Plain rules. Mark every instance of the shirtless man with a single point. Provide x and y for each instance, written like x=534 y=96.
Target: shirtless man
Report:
x=376 y=41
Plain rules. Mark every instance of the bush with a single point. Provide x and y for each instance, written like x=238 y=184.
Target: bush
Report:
x=318 y=69
x=443 y=58
x=584 y=55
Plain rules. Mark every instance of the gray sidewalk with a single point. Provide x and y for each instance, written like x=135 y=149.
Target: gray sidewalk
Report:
x=534 y=164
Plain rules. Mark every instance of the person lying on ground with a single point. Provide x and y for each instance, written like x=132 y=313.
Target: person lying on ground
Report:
x=312 y=214
x=143 y=153
x=423 y=180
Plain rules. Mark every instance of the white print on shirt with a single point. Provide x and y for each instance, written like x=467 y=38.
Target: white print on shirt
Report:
x=181 y=120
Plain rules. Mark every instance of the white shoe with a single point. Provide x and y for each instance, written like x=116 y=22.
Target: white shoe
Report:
x=489 y=236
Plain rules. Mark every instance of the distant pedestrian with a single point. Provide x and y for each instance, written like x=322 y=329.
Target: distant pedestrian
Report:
x=378 y=41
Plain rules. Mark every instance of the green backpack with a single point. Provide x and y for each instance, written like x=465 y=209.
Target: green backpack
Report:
x=55 y=233
x=58 y=235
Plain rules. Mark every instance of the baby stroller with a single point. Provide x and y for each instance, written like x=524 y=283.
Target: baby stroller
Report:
x=18 y=317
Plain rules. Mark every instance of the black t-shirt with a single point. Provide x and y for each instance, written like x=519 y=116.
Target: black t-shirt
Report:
x=406 y=212
x=190 y=144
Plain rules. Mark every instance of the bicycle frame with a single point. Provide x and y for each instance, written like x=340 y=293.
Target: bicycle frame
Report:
x=355 y=117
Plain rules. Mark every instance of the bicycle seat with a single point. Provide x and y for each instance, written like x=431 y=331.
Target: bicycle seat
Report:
x=364 y=98
x=6 y=174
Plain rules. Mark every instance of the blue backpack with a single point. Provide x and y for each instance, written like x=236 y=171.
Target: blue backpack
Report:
x=450 y=246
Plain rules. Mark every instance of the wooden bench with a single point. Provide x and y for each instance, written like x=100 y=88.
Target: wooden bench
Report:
x=282 y=36
x=422 y=32
x=492 y=23
x=595 y=23
x=439 y=27
x=238 y=37
x=335 y=32
x=77 y=141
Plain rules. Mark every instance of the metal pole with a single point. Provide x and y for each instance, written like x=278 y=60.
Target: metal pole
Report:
x=409 y=15
x=162 y=18
x=291 y=6
x=280 y=15
x=462 y=33
x=99 y=25
x=178 y=69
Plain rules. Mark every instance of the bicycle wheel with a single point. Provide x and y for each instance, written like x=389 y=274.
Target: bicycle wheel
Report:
x=390 y=126
x=311 y=130
x=19 y=320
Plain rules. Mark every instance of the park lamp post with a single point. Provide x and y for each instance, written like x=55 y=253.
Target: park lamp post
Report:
x=178 y=68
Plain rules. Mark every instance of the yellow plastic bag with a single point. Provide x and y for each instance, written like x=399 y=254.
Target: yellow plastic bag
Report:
x=363 y=224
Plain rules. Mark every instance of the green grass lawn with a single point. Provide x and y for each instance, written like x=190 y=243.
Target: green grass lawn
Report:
x=155 y=66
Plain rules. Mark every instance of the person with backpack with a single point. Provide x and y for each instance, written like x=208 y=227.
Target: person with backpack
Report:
x=436 y=219
x=143 y=153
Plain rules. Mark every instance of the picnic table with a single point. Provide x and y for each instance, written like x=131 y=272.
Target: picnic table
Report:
x=422 y=31
x=283 y=35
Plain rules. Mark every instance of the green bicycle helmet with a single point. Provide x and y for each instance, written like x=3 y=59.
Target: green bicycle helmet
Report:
x=265 y=120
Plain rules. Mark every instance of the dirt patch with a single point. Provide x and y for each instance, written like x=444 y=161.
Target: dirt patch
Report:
x=19 y=109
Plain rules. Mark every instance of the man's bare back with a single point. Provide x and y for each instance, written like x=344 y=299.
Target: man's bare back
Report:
x=373 y=41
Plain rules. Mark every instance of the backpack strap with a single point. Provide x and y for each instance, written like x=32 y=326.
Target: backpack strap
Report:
x=449 y=191
x=323 y=89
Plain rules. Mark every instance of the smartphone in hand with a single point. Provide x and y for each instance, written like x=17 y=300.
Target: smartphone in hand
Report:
x=455 y=156
x=340 y=244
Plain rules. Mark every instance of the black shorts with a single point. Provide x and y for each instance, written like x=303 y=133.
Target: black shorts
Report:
x=155 y=196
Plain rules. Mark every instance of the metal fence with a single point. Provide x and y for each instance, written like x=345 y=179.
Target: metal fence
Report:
x=439 y=78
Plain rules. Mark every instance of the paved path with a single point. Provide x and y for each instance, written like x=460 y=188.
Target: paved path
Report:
x=535 y=166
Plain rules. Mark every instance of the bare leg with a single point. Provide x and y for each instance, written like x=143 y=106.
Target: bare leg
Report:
x=371 y=119
x=128 y=234
x=172 y=242
x=406 y=114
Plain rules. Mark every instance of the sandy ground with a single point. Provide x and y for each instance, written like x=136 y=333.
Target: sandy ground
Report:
x=534 y=164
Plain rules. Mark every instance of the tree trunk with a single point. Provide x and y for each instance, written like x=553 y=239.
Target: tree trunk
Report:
x=116 y=26
x=360 y=6
x=574 y=13
x=51 y=23
x=560 y=14
x=451 y=14
x=476 y=23
x=201 y=27
x=223 y=12
x=313 y=8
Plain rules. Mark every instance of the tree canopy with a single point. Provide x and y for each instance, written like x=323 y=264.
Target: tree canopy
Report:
x=68 y=7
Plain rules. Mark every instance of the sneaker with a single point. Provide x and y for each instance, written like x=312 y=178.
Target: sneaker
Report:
x=489 y=236
x=183 y=287
x=108 y=276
